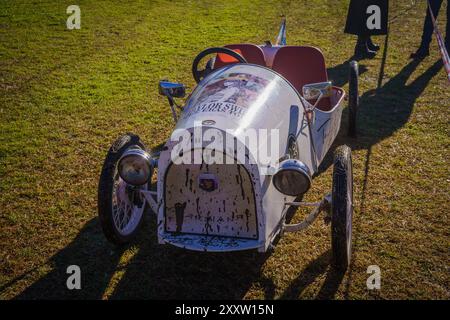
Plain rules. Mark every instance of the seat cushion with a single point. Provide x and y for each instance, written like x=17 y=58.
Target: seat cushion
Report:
x=300 y=66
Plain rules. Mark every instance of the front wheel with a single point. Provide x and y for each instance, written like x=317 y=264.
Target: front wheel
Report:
x=342 y=208
x=120 y=206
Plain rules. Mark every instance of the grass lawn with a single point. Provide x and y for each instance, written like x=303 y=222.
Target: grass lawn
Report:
x=65 y=95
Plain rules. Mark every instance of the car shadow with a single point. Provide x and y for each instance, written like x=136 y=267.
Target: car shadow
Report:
x=90 y=251
x=309 y=275
x=166 y=272
x=153 y=272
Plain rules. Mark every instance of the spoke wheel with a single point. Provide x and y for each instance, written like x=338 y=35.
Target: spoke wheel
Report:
x=120 y=206
x=127 y=206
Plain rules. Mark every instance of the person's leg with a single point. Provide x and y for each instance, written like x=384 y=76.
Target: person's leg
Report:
x=361 y=49
x=424 y=48
x=384 y=5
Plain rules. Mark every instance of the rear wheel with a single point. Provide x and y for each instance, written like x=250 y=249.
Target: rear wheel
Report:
x=353 y=98
x=342 y=208
x=120 y=206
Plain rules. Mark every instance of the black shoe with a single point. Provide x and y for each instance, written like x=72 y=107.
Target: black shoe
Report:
x=372 y=46
x=420 y=54
x=362 y=52
x=361 y=49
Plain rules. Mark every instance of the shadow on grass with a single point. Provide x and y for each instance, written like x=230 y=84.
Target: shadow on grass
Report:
x=316 y=268
x=338 y=75
x=384 y=111
x=92 y=254
x=154 y=272
x=164 y=272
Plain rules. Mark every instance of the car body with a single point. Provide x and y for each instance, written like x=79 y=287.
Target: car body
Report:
x=282 y=94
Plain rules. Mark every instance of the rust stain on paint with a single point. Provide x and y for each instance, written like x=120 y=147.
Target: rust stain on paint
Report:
x=241 y=182
x=247 y=216
x=187 y=178
x=179 y=215
x=198 y=208
x=208 y=226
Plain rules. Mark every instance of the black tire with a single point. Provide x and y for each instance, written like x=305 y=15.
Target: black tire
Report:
x=106 y=186
x=342 y=208
x=353 y=97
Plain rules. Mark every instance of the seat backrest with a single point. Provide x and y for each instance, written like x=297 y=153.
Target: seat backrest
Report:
x=252 y=53
x=300 y=66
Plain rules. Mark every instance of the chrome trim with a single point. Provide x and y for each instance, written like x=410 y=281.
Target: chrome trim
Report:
x=138 y=153
x=312 y=91
x=173 y=89
x=293 y=165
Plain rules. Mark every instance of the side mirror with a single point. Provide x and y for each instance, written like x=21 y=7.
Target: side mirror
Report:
x=318 y=90
x=172 y=89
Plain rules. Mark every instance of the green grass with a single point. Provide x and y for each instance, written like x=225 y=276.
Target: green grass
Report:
x=65 y=95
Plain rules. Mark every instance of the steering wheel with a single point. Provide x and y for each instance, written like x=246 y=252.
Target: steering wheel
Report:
x=200 y=74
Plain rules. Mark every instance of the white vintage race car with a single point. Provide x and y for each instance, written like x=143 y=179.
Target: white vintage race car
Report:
x=244 y=150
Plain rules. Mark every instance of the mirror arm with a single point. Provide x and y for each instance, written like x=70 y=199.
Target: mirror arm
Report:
x=172 y=90
x=172 y=105
x=318 y=100
x=306 y=103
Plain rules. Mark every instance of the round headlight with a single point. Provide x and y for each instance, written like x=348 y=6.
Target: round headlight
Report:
x=292 y=178
x=135 y=167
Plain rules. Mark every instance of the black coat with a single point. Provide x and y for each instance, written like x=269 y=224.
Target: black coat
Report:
x=357 y=17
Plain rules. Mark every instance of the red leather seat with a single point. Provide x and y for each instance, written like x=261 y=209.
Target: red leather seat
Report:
x=300 y=66
x=252 y=53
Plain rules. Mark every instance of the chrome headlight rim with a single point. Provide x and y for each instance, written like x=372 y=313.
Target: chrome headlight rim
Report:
x=297 y=167
x=136 y=152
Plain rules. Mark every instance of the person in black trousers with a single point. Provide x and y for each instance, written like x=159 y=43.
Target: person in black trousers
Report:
x=424 y=48
x=360 y=22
